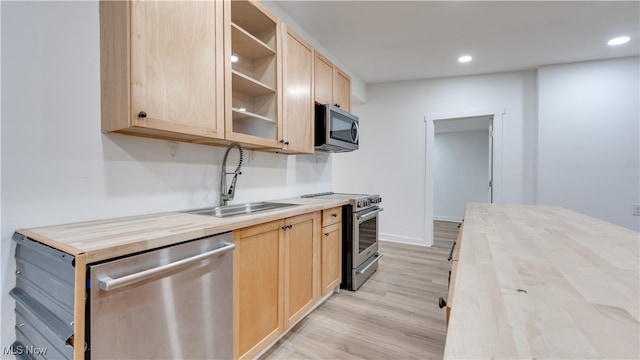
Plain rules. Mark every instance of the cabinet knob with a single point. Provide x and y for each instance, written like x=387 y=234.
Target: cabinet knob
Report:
x=283 y=141
x=336 y=105
x=441 y=303
x=142 y=114
x=334 y=215
x=326 y=234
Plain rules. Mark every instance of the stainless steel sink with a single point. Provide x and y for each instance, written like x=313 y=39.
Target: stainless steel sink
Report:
x=240 y=209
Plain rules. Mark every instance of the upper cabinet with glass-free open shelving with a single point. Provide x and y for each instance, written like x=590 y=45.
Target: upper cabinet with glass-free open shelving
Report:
x=260 y=98
x=253 y=56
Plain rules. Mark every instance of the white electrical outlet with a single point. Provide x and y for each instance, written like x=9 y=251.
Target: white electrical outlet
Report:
x=174 y=150
x=636 y=209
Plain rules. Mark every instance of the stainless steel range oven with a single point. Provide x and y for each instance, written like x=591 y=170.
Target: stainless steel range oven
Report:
x=359 y=236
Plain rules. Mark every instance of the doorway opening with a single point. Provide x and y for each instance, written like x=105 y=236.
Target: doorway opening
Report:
x=462 y=170
x=463 y=157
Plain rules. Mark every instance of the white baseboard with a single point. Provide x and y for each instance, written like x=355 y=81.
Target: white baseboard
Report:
x=447 y=218
x=403 y=239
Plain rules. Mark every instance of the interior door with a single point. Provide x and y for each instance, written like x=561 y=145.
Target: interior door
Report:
x=490 y=186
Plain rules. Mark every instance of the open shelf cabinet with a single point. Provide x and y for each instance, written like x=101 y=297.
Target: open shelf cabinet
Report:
x=253 y=56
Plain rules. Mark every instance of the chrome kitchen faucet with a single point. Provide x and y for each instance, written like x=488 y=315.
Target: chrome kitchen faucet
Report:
x=226 y=195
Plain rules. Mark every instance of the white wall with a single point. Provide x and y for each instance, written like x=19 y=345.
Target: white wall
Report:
x=583 y=154
x=391 y=159
x=460 y=172
x=57 y=167
x=589 y=139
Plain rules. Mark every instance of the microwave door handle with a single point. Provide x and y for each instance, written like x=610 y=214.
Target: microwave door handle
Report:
x=357 y=132
x=327 y=124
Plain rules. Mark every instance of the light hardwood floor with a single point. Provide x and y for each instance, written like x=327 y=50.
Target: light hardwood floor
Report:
x=394 y=315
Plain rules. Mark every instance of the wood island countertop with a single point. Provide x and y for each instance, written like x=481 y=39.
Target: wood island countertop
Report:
x=106 y=239
x=544 y=282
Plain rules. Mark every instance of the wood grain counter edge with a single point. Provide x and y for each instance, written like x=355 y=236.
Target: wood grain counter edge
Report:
x=105 y=239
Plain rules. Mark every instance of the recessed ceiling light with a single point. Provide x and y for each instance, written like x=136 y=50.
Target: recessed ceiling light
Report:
x=619 y=40
x=234 y=58
x=465 y=59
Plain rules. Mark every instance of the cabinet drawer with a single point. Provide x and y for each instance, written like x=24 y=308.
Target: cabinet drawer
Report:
x=331 y=216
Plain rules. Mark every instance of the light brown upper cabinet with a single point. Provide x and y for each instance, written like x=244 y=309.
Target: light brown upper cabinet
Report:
x=342 y=90
x=211 y=72
x=253 y=62
x=162 y=69
x=332 y=85
x=323 y=79
x=297 y=75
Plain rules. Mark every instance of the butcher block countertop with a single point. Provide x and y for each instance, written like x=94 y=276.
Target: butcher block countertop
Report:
x=539 y=282
x=105 y=239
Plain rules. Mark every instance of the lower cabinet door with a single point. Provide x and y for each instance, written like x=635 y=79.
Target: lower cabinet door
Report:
x=301 y=239
x=276 y=280
x=258 y=267
x=331 y=263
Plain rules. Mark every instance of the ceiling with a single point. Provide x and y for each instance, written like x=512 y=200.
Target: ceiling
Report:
x=383 y=41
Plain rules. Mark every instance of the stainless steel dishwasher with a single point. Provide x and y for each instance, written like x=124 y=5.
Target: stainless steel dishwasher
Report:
x=171 y=303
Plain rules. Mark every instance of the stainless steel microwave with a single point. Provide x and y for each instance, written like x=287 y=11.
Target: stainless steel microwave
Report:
x=335 y=129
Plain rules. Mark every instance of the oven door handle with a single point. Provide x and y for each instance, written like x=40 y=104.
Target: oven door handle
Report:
x=369 y=215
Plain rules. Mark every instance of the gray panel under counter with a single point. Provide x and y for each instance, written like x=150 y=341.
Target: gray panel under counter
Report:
x=44 y=295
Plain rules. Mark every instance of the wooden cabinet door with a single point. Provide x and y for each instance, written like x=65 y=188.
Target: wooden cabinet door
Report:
x=301 y=264
x=332 y=85
x=331 y=263
x=177 y=67
x=258 y=268
x=323 y=77
x=342 y=94
x=297 y=75
x=298 y=114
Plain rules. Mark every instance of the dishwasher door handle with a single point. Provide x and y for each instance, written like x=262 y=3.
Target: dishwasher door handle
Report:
x=107 y=283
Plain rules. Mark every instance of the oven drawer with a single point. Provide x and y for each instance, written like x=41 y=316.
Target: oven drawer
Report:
x=331 y=216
